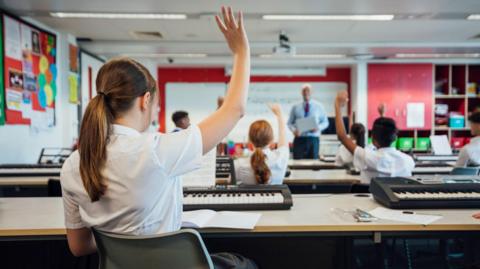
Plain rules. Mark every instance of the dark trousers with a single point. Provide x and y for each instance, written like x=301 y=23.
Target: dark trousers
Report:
x=306 y=147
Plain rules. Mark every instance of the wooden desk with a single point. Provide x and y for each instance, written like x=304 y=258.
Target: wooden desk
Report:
x=322 y=237
x=27 y=180
x=331 y=176
x=310 y=213
x=312 y=165
x=425 y=170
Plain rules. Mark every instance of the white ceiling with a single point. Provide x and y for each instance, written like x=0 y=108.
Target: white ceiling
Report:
x=440 y=28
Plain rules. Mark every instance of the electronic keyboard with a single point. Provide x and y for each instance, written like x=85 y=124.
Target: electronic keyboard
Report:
x=427 y=192
x=241 y=197
x=9 y=170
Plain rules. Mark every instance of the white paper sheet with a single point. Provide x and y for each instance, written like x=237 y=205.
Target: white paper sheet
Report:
x=306 y=124
x=440 y=145
x=205 y=175
x=222 y=219
x=415 y=115
x=399 y=215
x=13 y=48
x=26 y=33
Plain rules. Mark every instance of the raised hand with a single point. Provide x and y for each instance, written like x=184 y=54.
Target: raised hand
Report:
x=276 y=109
x=233 y=31
x=342 y=98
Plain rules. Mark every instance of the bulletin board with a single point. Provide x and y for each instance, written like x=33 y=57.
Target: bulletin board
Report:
x=30 y=72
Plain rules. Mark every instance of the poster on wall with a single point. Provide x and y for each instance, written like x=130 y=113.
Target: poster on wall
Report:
x=30 y=72
x=73 y=74
x=2 y=95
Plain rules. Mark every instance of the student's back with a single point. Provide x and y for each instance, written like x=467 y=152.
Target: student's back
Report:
x=276 y=160
x=144 y=189
x=265 y=166
x=385 y=161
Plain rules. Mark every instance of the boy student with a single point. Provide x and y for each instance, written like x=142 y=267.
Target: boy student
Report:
x=386 y=161
x=181 y=120
x=470 y=153
x=265 y=166
x=125 y=180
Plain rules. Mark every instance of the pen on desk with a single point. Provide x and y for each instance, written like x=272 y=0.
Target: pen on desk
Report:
x=413 y=213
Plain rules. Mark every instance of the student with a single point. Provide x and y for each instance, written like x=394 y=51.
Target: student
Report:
x=181 y=120
x=127 y=181
x=470 y=153
x=357 y=134
x=265 y=166
x=386 y=161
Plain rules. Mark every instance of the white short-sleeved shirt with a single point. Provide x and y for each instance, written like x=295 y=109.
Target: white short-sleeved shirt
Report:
x=383 y=162
x=470 y=154
x=144 y=193
x=277 y=161
x=344 y=157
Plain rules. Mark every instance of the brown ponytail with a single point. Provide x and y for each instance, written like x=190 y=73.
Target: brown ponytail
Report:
x=260 y=134
x=119 y=82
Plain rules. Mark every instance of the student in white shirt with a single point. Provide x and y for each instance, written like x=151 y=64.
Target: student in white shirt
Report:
x=181 y=120
x=386 y=161
x=470 y=153
x=265 y=166
x=125 y=180
x=357 y=134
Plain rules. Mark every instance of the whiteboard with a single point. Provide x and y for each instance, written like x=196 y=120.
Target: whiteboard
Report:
x=200 y=99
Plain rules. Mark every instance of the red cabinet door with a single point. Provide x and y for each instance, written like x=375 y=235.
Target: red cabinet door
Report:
x=397 y=85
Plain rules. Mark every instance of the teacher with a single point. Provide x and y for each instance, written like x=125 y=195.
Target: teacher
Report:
x=306 y=145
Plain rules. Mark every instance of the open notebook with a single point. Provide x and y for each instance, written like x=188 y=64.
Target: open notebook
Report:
x=206 y=218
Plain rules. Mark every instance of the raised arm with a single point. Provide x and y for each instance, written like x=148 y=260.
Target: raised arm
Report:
x=282 y=136
x=216 y=126
x=341 y=101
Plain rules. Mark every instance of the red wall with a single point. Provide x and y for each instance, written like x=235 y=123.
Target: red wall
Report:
x=215 y=75
x=399 y=84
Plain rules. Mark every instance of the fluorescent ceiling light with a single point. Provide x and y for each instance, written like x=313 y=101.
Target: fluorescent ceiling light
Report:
x=166 y=55
x=386 y=17
x=305 y=56
x=81 y=15
x=473 y=17
x=437 y=55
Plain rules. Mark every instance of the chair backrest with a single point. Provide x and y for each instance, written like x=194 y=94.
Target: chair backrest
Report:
x=466 y=171
x=177 y=250
x=54 y=188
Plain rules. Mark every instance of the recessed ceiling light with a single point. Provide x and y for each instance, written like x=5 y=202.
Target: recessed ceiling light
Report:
x=148 y=16
x=437 y=55
x=305 y=56
x=166 y=55
x=473 y=17
x=386 y=17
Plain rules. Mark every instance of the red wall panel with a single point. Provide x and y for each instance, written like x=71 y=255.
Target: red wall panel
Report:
x=399 y=84
x=215 y=75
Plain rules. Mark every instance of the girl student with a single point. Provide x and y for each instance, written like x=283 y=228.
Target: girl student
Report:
x=125 y=180
x=265 y=166
x=357 y=134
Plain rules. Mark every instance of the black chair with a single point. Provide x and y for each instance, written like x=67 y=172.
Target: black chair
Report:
x=360 y=188
x=54 y=189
